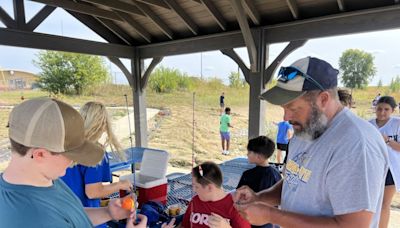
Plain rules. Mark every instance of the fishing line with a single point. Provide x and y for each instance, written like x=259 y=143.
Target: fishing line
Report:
x=131 y=149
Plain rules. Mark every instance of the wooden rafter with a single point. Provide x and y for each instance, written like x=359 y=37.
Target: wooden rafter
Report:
x=110 y=25
x=136 y=26
x=6 y=19
x=157 y=3
x=215 y=13
x=40 y=17
x=81 y=8
x=293 y=8
x=183 y=15
x=97 y=27
x=19 y=13
x=247 y=35
x=118 y=5
x=156 y=19
x=251 y=10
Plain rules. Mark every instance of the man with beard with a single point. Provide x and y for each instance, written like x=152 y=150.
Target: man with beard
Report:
x=337 y=163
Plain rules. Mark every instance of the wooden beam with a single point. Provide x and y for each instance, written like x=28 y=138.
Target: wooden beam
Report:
x=293 y=8
x=156 y=19
x=157 y=3
x=191 y=45
x=235 y=57
x=212 y=9
x=292 y=46
x=39 y=17
x=136 y=26
x=345 y=23
x=183 y=15
x=97 y=27
x=252 y=11
x=81 y=8
x=148 y=71
x=341 y=5
x=59 y=43
x=19 y=13
x=122 y=67
x=6 y=19
x=118 y=31
x=247 y=35
x=118 y=5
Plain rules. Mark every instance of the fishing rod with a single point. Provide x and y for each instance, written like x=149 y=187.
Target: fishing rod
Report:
x=131 y=148
x=193 y=159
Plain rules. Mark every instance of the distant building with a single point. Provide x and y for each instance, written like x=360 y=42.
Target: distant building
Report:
x=17 y=79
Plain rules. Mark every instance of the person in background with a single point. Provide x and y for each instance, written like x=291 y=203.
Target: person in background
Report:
x=224 y=125
x=87 y=182
x=389 y=127
x=211 y=206
x=285 y=132
x=222 y=102
x=375 y=100
x=46 y=137
x=337 y=162
x=263 y=176
x=345 y=98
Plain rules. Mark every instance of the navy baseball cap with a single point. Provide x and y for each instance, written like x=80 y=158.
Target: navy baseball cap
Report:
x=304 y=75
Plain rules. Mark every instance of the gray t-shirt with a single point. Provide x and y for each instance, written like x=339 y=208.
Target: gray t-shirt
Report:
x=29 y=206
x=341 y=172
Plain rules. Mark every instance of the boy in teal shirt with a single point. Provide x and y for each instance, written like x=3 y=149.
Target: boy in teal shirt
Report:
x=225 y=124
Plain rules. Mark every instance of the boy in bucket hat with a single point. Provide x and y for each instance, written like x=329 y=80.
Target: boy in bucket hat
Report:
x=46 y=137
x=337 y=162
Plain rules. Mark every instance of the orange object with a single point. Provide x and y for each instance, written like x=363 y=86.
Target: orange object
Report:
x=128 y=203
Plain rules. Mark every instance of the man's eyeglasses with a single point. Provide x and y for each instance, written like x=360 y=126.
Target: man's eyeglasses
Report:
x=288 y=73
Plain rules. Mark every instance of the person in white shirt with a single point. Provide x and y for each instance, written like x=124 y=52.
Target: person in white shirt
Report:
x=390 y=129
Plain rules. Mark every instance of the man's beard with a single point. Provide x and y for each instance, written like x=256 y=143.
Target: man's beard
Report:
x=314 y=127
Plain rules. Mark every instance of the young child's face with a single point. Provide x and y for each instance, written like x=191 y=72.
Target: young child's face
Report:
x=198 y=188
x=251 y=156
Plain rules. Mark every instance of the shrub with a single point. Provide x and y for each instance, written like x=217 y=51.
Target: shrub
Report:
x=165 y=80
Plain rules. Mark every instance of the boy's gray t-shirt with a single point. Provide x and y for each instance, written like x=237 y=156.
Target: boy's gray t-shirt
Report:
x=341 y=172
x=29 y=206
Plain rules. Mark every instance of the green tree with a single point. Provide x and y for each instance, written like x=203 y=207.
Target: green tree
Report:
x=395 y=84
x=235 y=81
x=69 y=73
x=357 y=68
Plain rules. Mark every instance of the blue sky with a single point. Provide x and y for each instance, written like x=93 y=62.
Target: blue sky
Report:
x=383 y=45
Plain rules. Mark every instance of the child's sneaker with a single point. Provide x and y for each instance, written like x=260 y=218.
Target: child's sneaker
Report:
x=226 y=152
x=223 y=152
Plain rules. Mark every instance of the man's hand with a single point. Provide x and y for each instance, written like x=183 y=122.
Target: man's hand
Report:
x=244 y=195
x=130 y=223
x=216 y=221
x=255 y=213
